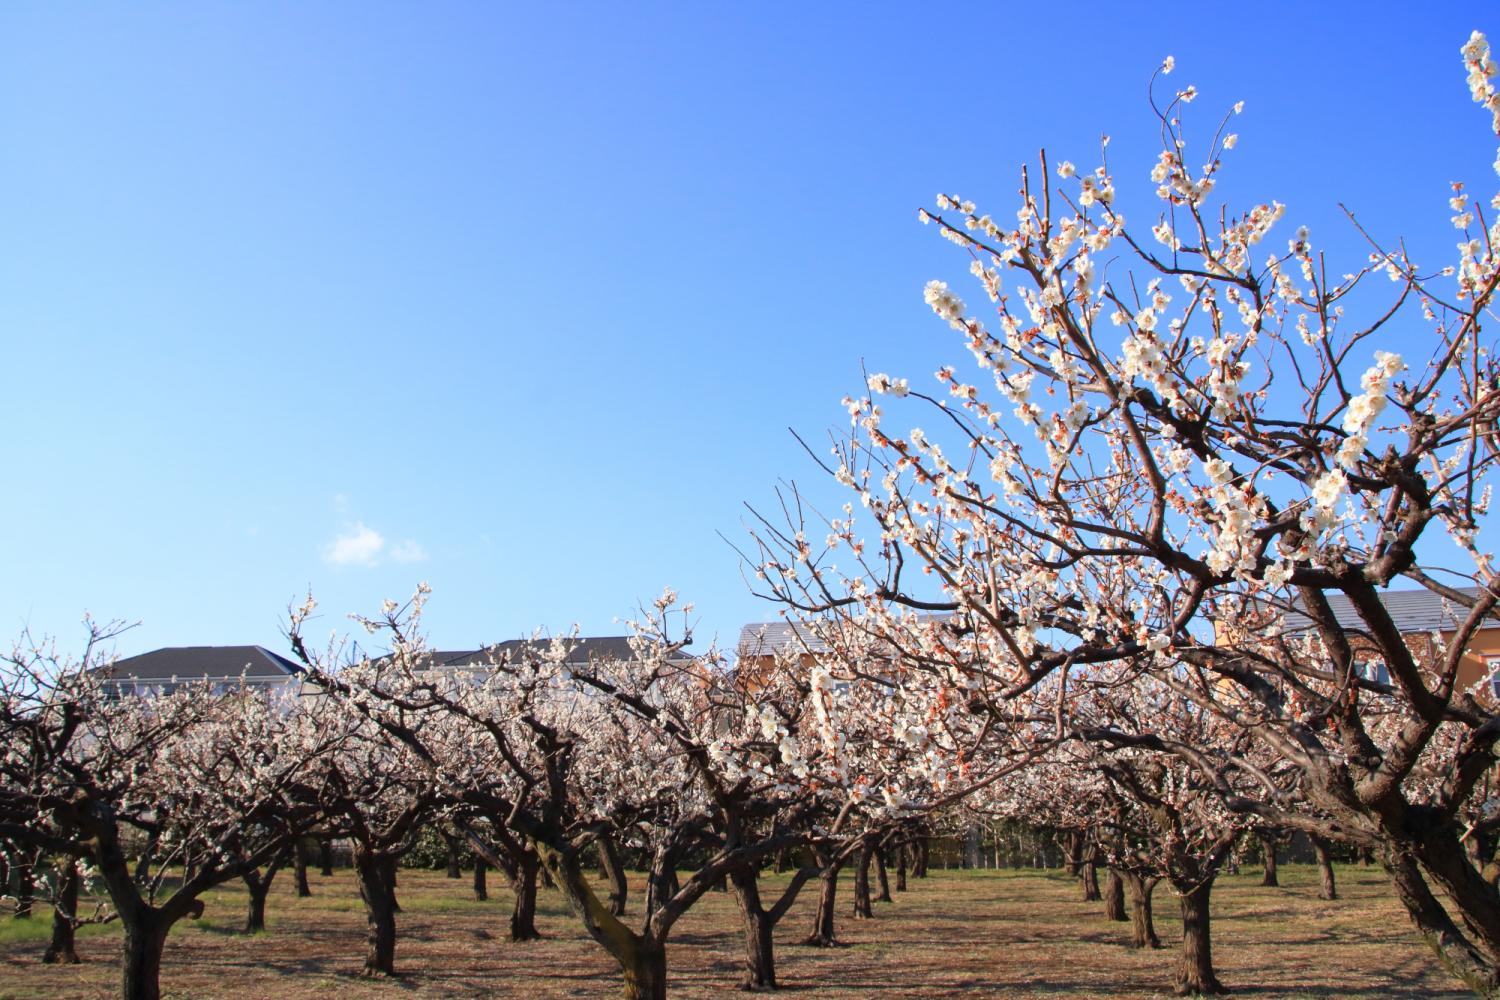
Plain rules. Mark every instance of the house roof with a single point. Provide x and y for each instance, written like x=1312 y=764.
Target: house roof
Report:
x=770 y=638
x=190 y=662
x=1419 y=610
x=584 y=649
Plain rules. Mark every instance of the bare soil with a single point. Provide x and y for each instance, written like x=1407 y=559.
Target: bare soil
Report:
x=971 y=934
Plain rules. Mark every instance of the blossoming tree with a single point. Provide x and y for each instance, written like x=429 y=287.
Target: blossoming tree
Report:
x=207 y=778
x=556 y=756
x=1119 y=478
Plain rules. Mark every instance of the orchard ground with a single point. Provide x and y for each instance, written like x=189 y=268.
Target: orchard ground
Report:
x=1022 y=934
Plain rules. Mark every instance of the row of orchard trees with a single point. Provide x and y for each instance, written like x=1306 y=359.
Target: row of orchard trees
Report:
x=542 y=769
x=1150 y=527
x=1149 y=572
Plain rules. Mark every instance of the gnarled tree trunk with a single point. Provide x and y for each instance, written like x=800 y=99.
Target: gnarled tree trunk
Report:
x=1114 y=897
x=325 y=857
x=145 y=935
x=299 y=869
x=1075 y=844
x=901 y=868
x=863 y=910
x=376 y=874
x=523 y=913
x=760 y=923
x=25 y=890
x=882 y=879
x=455 y=859
x=760 y=956
x=1453 y=950
x=614 y=874
x=481 y=886
x=1268 y=858
x=646 y=973
x=822 y=935
x=255 y=909
x=1327 y=888
x=1088 y=877
x=259 y=885
x=1195 y=967
x=1142 y=930
x=64 y=917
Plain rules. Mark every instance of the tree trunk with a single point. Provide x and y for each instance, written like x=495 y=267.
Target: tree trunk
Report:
x=614 y=873
x=1268 y=859
x=760 y=955
x=144 y=862
x=1075 y=854
x=1089 y=877
x=455 y=866
x=299 y=869
x=325 y=858
x=881 y=878
x=646 y=972
x=1327 y=890
x=1452 y=949
x=523 y=913
x=661 y=880
x=1142 y=930
x=1114 y=897
x=259 y=884
x=1195 y=968
x=64 y=918
x=376 y=875
x=1447 y=867
x=922 y=850
x=862 y=908
x=144 y=937
x=901 y=868
x=25 y=890
x=481 y=886
x=255 y=913
x=783 y=860
x=828 y=887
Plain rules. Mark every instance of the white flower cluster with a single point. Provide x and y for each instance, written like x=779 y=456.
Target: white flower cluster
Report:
x=1476 y=53
x=821 y=682
x=943 y=302
x=1099 y=187
x=1364 y=408
x=1238 y=509
x=952 y=202
x=882 y=383
x=1173 y=181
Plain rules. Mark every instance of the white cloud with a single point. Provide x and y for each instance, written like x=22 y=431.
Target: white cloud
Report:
x=360 y=547
x=409 y=551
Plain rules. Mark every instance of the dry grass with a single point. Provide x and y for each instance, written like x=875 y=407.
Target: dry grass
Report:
x=986 y=934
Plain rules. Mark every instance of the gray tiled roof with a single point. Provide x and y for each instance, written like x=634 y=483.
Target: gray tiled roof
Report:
x=584 y=649
x=770 y=638
x=1412 y=610
x=192 y=662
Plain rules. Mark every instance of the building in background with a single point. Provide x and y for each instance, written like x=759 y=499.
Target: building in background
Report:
x=227 y=668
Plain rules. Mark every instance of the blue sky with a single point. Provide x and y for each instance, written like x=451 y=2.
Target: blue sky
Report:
x=521 y=301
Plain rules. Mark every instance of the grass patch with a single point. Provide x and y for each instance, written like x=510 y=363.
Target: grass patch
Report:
x=1018 y=935
x=38 y=929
